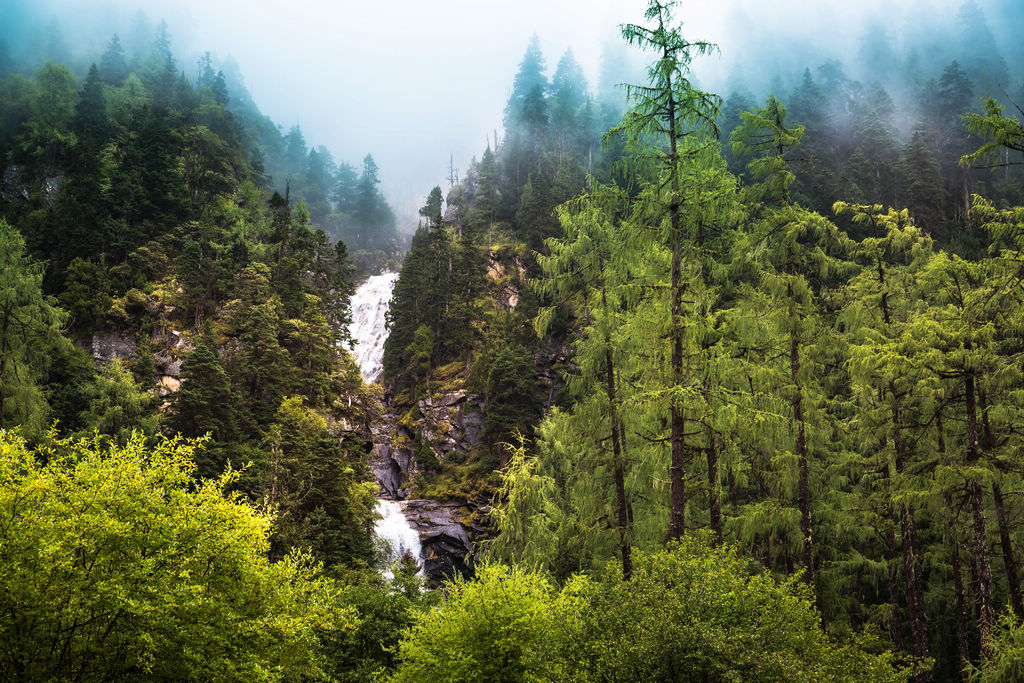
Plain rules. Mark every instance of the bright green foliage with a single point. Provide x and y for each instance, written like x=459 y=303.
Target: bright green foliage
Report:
x=1008 y=660
x=691 y=612
x=508 y=624
x=669 y=96
x=1000 y=132
x=763 y=135
x=117 y=565
x=694 y=612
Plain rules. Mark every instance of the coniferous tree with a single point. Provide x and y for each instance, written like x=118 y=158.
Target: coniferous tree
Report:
x=113 y=65
x=30 y=329
x=891 y=399
x=117 y=406
x=670 y=107
x=324 y=495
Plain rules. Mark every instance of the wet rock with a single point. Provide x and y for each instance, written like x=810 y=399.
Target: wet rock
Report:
x=13 y=187
x=403 y=456
x=167 y=364
x=447 y=550
x=451 y=398
x=387 y=471
x=51 y=188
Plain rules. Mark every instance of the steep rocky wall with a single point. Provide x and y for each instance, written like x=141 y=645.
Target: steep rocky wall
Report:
x=445 y=423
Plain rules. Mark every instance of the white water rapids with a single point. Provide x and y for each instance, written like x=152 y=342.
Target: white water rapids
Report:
x=395 y=537
x=369 y=329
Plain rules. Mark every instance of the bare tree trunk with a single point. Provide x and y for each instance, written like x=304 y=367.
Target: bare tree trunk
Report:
x=894 y=597
x=983 y=569
x=714 y=486
x=912 y=572
x=677 y=471
x=804 y=492
x=619 y=467
x=963 y=644
x=1009 y=560
x=915 y=594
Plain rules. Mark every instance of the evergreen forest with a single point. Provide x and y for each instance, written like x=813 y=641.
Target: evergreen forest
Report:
x=678 y=382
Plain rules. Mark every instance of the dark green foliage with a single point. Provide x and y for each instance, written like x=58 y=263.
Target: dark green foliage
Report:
x=86 y=294
x=511 y=395
x=384 y=613
x=321 y=488
x=204 y=404
x=146 y=201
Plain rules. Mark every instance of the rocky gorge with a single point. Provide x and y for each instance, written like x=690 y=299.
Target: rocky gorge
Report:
x=449 y=422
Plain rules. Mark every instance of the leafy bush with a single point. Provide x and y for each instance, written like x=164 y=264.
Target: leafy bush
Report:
x=692 y=612
x=115 y=564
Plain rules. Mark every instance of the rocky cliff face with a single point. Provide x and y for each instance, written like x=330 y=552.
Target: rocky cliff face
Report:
x=447 y=547
x=445 y=423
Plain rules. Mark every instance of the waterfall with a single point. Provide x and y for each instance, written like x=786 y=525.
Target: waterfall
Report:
x=395 y=536
x=368 y=329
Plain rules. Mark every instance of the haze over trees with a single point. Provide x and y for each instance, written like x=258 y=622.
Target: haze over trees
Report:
x=746 y=370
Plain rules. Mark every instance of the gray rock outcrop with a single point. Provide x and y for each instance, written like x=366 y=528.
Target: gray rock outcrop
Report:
x=13 y=187
x=447 y=549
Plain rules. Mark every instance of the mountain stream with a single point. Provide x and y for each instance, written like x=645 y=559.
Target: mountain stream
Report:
x=370 y=303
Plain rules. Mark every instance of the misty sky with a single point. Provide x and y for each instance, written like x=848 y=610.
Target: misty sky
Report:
x=412 y=81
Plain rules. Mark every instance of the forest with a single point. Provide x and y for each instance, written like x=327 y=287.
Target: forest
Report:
x=718 y=386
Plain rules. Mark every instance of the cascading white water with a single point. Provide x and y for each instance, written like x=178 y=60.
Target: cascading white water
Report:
x=368 y=329
x=395 y=536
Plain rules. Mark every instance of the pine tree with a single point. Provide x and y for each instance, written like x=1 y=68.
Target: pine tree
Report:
x=30 y=330
x=113 y=66
x=205 y=403
x=322 y=490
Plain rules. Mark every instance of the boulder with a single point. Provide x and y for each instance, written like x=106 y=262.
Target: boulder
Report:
x=167 y=364
x=168 y=385
x=108 y=346
x=387 y=471
x=447 y=550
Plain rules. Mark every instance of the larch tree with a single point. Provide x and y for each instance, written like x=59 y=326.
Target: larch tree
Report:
x=665 y=112
x=890 y=392
x=585 y=267
x=787 y=242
